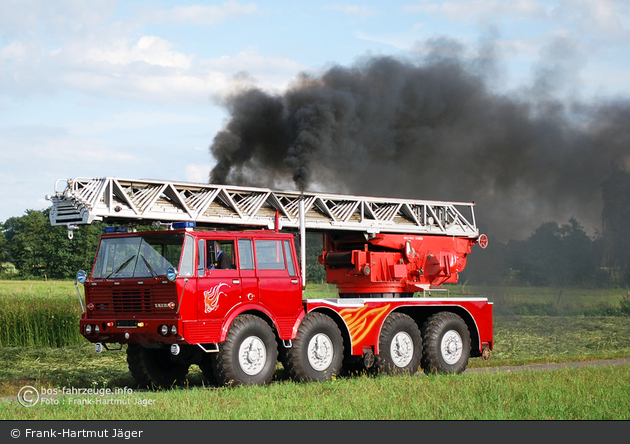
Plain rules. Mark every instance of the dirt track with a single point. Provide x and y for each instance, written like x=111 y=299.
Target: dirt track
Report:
x=539 y=367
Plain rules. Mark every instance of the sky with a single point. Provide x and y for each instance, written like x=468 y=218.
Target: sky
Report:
x=133 y=89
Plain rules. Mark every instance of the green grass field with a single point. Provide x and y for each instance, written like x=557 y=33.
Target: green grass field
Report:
x=568 y=394
x=66 y=360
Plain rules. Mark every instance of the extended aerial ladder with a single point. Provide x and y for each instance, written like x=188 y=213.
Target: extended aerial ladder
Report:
x=132 y=201
x=84 y=201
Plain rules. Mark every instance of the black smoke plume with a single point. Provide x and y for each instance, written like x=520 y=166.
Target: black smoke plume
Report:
x=433 y=129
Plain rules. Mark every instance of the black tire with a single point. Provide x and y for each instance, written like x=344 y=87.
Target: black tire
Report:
x=354 y=366
x=283 y=358
x=317 y=351
x=400 y=346
x=446 y=344
x=154 y=367
x=207 y=367
x=249 y=354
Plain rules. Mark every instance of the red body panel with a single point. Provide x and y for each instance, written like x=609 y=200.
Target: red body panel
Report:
x=363 y=318
x=392 y=263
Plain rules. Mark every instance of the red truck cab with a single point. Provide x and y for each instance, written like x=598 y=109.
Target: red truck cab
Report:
x=183 y=289
x=218 y=275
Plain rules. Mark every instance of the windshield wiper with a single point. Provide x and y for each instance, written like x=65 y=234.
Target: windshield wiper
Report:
x=121 y=268
x=149 y=267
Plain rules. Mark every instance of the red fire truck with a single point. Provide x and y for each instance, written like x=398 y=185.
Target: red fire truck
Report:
x=231 y=300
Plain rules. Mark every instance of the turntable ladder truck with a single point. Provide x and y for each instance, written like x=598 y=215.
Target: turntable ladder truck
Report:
x=218 y=282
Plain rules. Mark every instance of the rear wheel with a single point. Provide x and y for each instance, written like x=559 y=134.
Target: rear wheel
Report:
x=154 y=367
x=249 y=354
x=317 y=351
x=446 y=344
x=400 y=345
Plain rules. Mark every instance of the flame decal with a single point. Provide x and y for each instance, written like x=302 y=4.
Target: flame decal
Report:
x=211 y=297
x=361 y=320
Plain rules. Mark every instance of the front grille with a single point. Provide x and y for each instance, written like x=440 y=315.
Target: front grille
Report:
x=137 y=300
x=132 y=298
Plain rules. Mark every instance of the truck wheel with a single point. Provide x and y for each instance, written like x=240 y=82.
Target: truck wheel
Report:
x=153 y=366
x=207 y=367
x=249 y=354
x=400 y=346
x=446 y=344
x=317 y=351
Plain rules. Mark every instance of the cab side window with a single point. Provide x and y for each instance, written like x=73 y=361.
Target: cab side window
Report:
x=245 y=254
x=201 y=261
x=220 y=254
x=187 y=265
x=269 y=255
x=288 y=254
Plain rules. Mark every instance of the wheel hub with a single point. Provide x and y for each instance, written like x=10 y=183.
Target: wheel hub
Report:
x=452 y=347
x=320 y=352
x=401 y=349
x=252 y=355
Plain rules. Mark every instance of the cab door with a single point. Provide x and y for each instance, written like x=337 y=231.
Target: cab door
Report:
x=219 y=289
x=247 y=268
x=279 y=285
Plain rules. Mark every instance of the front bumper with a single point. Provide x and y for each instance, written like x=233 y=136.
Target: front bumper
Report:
x=132 y=331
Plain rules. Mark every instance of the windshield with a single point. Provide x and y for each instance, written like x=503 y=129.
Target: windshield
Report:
x=141 y=256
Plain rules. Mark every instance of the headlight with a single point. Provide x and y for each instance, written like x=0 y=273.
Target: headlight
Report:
x=164 y=330
x=173 y=329
x=171 y=274
x=81 y=276
x=88 y=329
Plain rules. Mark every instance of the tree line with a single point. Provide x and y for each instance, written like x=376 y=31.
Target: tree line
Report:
x=563 y=254
x=554 y=255
x=39 y=250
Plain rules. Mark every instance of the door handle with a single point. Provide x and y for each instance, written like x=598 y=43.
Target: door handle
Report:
x=294 y=281
x=236 y=281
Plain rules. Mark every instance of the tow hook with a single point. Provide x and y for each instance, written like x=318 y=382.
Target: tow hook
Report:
x=175 y=349
x=485 y=354
x=99 y=347
x=368 y=358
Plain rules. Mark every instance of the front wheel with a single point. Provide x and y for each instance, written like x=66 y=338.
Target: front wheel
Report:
x=249 y=354
x=317 y=351
x=400 y=346
x=154 y=367
x=207 y=367
x=446 y=344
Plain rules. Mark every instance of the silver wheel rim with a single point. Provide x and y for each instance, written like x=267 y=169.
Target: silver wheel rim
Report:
x=401 y=349
x=252 y=355
x=320 y=352
x=452 y=347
